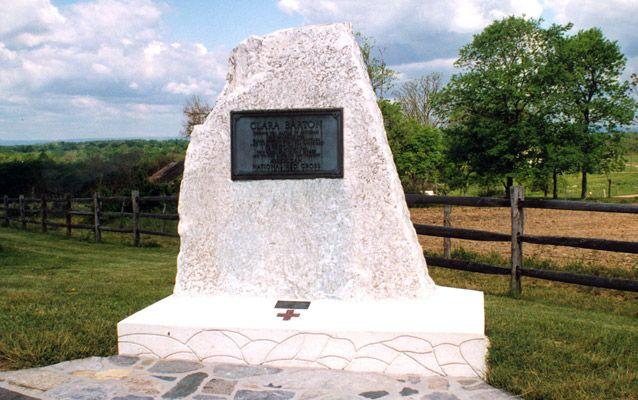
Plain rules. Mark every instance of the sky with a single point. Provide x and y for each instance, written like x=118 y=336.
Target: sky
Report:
x=124 y=68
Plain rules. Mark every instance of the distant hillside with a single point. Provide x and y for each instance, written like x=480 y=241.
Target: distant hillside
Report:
x=18 y=142
x=81 y=167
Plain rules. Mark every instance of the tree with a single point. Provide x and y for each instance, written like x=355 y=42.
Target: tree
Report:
x=495 y=106
x=195 y=112
x=612 y=159
x=381 y=76
x=595 y=99
x=415 y=97
x=634 y=87
x=417 y=149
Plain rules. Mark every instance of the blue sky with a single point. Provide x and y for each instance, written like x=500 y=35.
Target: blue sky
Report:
x=123 y=68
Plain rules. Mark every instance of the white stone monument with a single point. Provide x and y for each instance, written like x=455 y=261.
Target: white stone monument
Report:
x=323 y=270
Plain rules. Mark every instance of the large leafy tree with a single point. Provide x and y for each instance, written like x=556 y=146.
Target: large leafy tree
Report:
x=594 y=98
x=501 y=97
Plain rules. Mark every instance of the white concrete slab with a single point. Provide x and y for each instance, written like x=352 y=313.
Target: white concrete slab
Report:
x=440 y=335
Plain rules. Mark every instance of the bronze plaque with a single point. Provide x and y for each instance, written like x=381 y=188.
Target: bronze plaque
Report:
x=286 y=144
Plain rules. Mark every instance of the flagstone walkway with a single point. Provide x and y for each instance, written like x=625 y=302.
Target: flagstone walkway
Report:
x=132 y=378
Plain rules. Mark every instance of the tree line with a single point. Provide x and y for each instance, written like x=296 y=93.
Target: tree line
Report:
x=533 y=103
x=81 y=168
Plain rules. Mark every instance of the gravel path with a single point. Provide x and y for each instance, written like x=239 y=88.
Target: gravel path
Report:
x=132 y=378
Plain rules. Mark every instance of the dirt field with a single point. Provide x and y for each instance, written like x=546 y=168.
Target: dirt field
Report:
x=539 y=222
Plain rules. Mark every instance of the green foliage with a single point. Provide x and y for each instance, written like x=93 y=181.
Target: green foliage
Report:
x=497 y=104
x=532 y=103
x=417 y=149
x=594 y=98
x=112 y=167
x=629 y=141
x=381 y=76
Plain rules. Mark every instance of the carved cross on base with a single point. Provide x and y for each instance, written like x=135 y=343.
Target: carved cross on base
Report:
x=288 y=315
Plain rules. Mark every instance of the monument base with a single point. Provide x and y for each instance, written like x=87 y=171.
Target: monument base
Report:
x=441 y=335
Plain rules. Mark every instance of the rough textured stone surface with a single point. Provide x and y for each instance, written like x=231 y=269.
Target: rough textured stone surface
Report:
x=241 y=371
x=219 y=386
x=85 y=364
x=207 y=397
x=254 y=384
x=89 y=391
x=37 y=379
x=186 y=386
x=165 y=378
x=123 y=361
x=348 y=238
x=374 y=394
x=440 y=396
x=263 y=395
x=11 y=395
x=174 y=366
x=406 y=391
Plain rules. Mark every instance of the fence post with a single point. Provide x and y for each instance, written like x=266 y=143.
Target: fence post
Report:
x=43 y=213
x=122 y=215
x=164 y=213
x=22 y=211
x=96 y=217
x=67 y=213
x=447 y=222
x=135 y=205
x=517 y=193
x=6 y=210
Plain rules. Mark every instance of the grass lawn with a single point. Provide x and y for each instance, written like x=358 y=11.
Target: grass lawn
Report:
x=622 y=183
x=61 y=299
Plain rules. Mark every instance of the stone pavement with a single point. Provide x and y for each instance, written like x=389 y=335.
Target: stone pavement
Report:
x=133 y=378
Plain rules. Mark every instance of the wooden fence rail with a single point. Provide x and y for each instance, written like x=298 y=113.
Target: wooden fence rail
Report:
x=517 y=204
x=20 y=209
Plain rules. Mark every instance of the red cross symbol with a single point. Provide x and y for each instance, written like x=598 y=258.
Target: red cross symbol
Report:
x=288 y=315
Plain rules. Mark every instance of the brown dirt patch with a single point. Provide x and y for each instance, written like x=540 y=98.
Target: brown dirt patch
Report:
x=539 y=222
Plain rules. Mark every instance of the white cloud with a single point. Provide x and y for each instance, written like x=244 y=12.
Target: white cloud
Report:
x=444 y=63
x=379 y=16
x=102 y=54
x=417 y=30
x=28 y=17
x=616 y=18
x=413 y=30
x=191 y=86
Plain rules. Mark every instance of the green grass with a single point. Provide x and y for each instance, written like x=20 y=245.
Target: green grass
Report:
x=558 y=341
x=61 y=299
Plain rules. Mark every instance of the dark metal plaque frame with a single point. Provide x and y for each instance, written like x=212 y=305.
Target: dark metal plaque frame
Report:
x=292 y=305
x=337 y=113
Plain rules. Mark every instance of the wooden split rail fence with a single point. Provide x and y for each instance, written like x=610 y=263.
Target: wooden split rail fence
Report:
x=17 y=209
x=21 y=209
x=517 y=204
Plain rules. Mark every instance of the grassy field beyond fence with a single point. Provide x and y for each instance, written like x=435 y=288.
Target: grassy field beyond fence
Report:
x=61 y=298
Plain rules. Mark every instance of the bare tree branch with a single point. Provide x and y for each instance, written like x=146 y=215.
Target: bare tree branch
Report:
x=195 y=112
x=415 y=98
x=381 y=76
